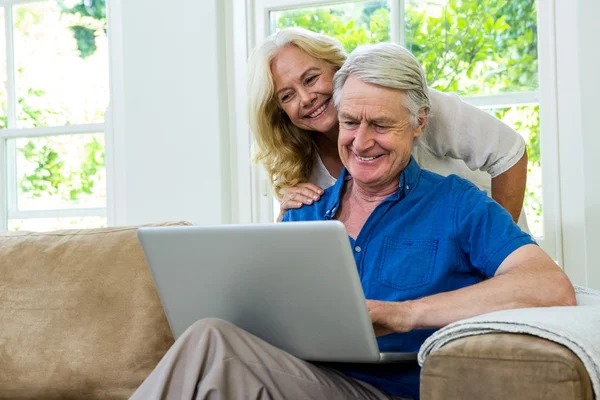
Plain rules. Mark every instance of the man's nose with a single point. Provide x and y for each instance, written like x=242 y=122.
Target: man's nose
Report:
x=363 y=139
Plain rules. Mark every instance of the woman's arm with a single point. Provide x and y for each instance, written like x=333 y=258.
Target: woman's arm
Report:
x=297 y=196
x=460 y=131
x=508 y=188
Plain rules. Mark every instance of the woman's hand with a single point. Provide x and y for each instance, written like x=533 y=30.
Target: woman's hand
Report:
x=299 y=195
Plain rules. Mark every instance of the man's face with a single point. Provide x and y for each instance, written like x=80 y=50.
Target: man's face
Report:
x=376 y=139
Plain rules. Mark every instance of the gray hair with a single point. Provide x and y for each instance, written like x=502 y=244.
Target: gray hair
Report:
x=388 y=65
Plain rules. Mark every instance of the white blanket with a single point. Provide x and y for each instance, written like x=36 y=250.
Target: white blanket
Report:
x=577 y=328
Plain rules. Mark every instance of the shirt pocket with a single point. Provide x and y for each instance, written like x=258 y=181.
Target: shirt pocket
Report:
x=407 y=264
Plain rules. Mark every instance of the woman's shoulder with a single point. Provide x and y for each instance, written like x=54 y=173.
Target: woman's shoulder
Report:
x=320 y=176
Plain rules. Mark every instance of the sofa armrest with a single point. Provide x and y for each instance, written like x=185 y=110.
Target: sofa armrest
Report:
x=504 y=366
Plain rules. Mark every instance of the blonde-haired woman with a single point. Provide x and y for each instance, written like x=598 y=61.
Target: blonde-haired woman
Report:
x=293 y=118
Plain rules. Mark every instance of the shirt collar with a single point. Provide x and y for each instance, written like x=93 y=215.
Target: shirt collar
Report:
x=409 y=177
x=336 y=194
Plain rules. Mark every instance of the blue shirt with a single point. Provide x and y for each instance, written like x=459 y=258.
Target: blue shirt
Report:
x=435 y=234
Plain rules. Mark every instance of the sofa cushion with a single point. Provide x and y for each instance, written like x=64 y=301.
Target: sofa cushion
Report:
x=504 y=366
x=79 y=314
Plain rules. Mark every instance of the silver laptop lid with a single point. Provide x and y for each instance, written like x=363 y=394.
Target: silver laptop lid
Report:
x=294 y=285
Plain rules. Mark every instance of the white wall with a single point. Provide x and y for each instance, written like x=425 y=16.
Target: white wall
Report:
x=578 y=86
x=170 y=142
x=589 y=62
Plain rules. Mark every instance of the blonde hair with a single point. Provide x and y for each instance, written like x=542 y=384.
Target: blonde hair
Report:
x=286 y=151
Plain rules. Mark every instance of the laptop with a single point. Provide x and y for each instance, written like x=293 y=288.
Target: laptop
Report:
x=294 y=285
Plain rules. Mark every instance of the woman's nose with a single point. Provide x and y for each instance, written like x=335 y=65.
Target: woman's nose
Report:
x=307 y=98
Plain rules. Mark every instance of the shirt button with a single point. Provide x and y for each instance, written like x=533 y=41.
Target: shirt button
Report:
x=357 y=249
x=407 y=187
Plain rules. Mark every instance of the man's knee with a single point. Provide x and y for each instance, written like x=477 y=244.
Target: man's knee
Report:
x=210 y=325
x=213 y=333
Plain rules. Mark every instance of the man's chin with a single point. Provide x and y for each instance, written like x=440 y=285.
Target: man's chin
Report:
x=365 y=178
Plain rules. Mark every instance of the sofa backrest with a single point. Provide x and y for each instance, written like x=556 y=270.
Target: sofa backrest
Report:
x=79 y=314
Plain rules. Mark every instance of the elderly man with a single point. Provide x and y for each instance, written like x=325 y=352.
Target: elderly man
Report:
x=429 y=250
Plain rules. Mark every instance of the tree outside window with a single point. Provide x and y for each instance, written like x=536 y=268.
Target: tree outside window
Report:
x=60 y=69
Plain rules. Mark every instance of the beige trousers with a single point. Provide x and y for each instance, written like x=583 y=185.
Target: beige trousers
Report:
x=214 y=359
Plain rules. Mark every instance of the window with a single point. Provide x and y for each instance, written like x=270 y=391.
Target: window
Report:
x=54 y=65
x=484 y=50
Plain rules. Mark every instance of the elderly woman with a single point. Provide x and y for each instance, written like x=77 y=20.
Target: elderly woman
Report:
x=296 y=127
x=430 y=250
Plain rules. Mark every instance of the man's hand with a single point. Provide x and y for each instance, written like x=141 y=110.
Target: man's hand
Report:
x=391 y=316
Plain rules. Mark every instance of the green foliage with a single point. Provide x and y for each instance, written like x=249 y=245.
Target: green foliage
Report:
x=86 y=40
x=476 y=46
x=92 y=17
x=94 y=160
x=352 y=25
x=95 y=9
x=51 y=177
x=24 y=15
x=30 y=115
x=47 y=177
x=470 y=47
x=467 y=47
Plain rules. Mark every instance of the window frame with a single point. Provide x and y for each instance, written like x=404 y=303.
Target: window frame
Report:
x=545 y=96
x=8 y=152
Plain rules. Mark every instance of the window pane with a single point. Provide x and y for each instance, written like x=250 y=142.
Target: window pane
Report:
x=59 y=172
x=3 y=97
x=53 y=224
x=61 y=77
x=276 y=206
x=352 y=24
x=475 y=46
x=526 y=121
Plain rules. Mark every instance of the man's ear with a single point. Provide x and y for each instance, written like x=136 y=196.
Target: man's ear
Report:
x=423 y=116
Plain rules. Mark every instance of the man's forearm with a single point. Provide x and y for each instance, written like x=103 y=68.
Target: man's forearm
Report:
x=508 y=188
x=538 y=286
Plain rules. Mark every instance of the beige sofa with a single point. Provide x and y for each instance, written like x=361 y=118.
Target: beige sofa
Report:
x=80 y=319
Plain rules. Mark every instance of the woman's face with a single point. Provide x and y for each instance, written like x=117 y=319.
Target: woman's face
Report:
x=304 y=89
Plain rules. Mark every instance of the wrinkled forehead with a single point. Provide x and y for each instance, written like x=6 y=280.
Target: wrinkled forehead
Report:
x=358 y=96
x=290 y=62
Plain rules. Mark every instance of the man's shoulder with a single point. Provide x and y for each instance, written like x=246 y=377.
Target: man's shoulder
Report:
x=449 y=184
x=315 y=211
